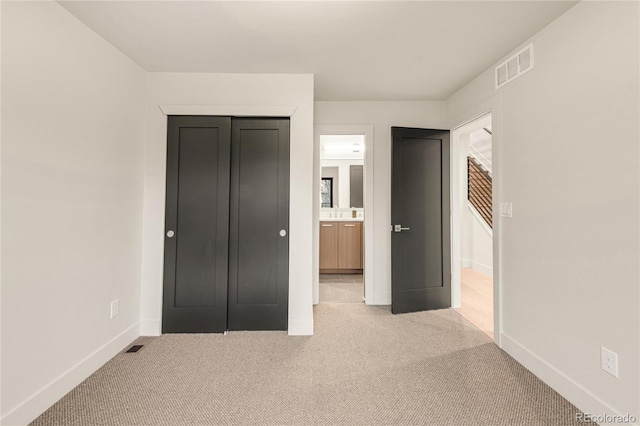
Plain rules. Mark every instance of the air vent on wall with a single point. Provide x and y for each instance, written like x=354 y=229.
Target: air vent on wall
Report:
x=514 y=66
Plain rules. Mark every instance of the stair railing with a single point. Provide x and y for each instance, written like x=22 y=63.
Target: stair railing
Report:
x=480 y=190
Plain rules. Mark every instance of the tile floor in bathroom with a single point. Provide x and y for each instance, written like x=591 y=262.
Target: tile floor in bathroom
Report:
x=341 y=288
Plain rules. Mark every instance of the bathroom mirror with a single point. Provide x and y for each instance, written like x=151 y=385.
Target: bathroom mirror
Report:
x=341 y=184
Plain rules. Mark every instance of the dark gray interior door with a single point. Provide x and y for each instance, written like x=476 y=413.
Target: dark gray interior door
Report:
x=420 y=242
x=196 y=225
x=259 y=225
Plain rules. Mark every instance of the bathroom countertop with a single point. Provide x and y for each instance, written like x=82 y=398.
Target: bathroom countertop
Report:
x=342 y=219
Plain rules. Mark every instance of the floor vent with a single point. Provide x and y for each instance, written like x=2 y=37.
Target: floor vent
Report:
x=134 y=348
x=514 y=66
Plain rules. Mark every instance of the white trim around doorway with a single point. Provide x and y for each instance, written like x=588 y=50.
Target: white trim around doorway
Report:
x=299 y=322
x=491 y=106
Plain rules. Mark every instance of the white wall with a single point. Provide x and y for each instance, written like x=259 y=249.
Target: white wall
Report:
x=73 y=112
x=476 y=236
x=480 y=148
x=344 y=179
x=382 y=115
x=570 y=165
x=477 y=242
x=230 y=94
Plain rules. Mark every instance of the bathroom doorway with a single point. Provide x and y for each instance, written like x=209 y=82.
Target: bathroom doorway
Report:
x=341 y=217
x=337 y=148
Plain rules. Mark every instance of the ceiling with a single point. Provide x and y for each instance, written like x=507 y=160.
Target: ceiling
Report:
x=342 y=147
x=358 y=50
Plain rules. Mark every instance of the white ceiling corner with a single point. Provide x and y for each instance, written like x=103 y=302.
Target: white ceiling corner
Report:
x=357 y=50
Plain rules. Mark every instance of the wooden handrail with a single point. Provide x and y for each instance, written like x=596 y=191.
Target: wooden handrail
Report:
x=480 y=168
x=480 y=190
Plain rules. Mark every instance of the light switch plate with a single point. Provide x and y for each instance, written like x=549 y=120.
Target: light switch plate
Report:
x=506 y=209
x=115 y=308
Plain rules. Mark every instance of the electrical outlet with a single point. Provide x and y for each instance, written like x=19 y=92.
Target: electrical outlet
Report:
x=609 y=361
x=115 y=308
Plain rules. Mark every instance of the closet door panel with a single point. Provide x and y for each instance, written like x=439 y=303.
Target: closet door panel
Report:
x=197 y=223
x=259 y=225
x=197 y=212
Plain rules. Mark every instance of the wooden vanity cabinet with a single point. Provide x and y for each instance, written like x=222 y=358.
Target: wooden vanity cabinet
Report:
x=349 y=245
x=328 y=245
x=341 y=247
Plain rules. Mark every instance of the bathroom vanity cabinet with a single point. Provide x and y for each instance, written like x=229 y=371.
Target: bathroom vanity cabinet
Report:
x=341 y=247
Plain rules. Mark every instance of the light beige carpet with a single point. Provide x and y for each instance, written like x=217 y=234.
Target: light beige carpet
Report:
x=363 y=366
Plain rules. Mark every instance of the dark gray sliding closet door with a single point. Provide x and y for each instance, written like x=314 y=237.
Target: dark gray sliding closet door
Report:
x=259 y=225
x=227 y=222
x=196 y=225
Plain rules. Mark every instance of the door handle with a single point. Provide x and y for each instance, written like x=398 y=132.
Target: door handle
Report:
x=399 y=228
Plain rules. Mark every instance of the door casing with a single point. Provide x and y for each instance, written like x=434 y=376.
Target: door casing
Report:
x=369 y=213
x=491 y=106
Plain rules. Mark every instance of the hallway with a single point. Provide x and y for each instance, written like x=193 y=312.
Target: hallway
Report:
x=476 y=305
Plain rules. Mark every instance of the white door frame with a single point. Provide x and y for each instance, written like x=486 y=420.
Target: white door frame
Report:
x=356 y=129
x=492 y=106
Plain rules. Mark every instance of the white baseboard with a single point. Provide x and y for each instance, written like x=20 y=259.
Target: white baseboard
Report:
x=466 y=263
x=296 y=328
x=575 y=393
x=150 y=327
x=482 y=268
x=300 y=327
x=40 y=401
x=382 y=298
